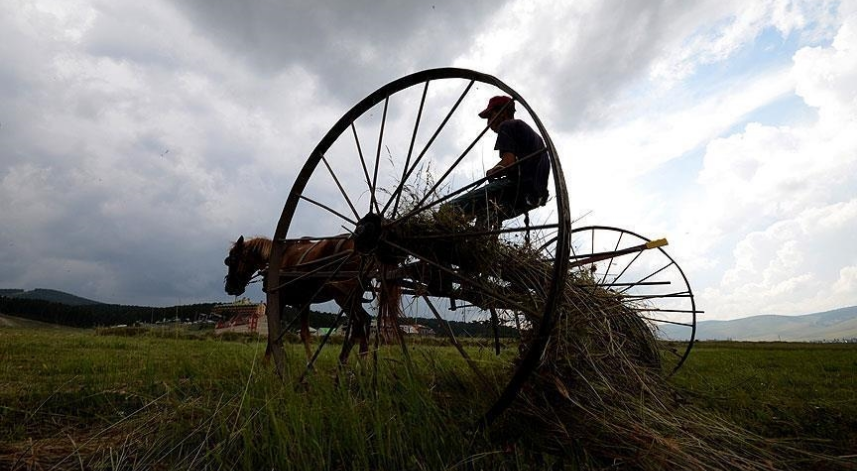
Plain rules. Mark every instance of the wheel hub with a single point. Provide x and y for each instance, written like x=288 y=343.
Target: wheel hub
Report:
x=367 y=234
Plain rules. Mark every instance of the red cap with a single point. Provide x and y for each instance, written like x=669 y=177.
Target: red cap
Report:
x=496 y=102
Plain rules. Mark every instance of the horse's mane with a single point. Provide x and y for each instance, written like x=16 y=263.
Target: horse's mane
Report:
x=259 y=245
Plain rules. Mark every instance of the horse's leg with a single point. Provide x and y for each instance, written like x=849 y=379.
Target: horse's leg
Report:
x=362 y=327
x=348 y=342
x=305 y=331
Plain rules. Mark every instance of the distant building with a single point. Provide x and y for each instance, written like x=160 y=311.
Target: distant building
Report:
x=241 y=316
x=416 y=329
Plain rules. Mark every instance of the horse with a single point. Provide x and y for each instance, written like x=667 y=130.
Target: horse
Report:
x=300 y=256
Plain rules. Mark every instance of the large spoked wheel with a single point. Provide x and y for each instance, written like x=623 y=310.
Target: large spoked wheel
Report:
x=381 y=176
x=649 y=282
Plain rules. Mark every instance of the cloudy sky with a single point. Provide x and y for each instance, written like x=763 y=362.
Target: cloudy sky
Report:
x=138 y=139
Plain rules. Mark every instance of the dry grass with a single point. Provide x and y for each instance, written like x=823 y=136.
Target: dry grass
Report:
x=600 y=397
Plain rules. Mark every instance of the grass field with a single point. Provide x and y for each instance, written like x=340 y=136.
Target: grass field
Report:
x=77 y=400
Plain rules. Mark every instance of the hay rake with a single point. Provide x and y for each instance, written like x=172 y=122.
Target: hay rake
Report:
x=382 y=173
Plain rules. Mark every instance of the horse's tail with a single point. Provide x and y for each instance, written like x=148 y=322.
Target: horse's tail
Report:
x=389 y=309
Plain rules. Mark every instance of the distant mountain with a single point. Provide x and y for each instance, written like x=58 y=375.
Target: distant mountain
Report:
x=829 y=325
x=50 y=295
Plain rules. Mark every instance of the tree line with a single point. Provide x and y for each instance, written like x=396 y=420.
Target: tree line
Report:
x=102 y=315
x=96 y=315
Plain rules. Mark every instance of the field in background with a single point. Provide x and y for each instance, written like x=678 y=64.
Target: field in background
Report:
x=76 y=399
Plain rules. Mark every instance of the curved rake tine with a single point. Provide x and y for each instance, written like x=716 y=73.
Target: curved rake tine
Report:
x=455 y=342
x=317 y=352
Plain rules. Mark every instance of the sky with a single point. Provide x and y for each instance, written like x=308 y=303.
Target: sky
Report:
x=139 y=139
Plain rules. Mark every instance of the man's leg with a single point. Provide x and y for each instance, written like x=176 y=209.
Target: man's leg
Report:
x=481 y=202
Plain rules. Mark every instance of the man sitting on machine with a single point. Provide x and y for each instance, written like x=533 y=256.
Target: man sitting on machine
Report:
x=518 y=183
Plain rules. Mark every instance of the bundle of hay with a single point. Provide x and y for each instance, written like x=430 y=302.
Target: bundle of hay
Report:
x=599 y=397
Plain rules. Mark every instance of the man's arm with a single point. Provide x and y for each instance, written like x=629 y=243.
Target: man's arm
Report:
x=506 y=160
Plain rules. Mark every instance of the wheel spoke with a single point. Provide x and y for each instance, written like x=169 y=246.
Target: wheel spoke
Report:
x=642 y=297
x=341 y=190
x=649 y=276
x=362 y=161
x=683 y=324
x=436 y=133
x=454 y=165
x=682 y=311
x=636 y=256
x=610 y=261
x=422 y=206
x=398 y=191
x=378 y=155
x=328 y=209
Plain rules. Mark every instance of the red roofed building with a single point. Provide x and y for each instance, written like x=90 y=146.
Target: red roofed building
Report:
x=242 y=316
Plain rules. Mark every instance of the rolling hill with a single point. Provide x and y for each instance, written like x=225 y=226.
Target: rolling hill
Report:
x=830 y=325
x=51 y=295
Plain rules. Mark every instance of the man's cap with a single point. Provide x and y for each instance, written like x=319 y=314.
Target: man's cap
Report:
x=496 y=102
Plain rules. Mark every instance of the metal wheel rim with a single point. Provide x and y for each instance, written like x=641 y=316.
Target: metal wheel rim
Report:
x=560 y=270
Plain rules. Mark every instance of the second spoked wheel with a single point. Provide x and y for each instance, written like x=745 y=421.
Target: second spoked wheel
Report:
x=380 y=178
x=645 y=281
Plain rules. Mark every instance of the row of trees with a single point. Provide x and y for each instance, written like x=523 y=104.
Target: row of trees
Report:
x=99 y=315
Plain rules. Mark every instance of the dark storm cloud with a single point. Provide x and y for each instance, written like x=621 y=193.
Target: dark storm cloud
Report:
x=351 y=47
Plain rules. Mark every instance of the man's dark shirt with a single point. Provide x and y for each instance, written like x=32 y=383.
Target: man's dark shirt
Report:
x=518 y=137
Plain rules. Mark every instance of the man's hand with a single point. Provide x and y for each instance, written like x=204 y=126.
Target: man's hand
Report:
x=495 y=172
x=506 y=160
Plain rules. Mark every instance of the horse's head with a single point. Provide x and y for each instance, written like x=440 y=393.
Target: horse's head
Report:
x=241 y=268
